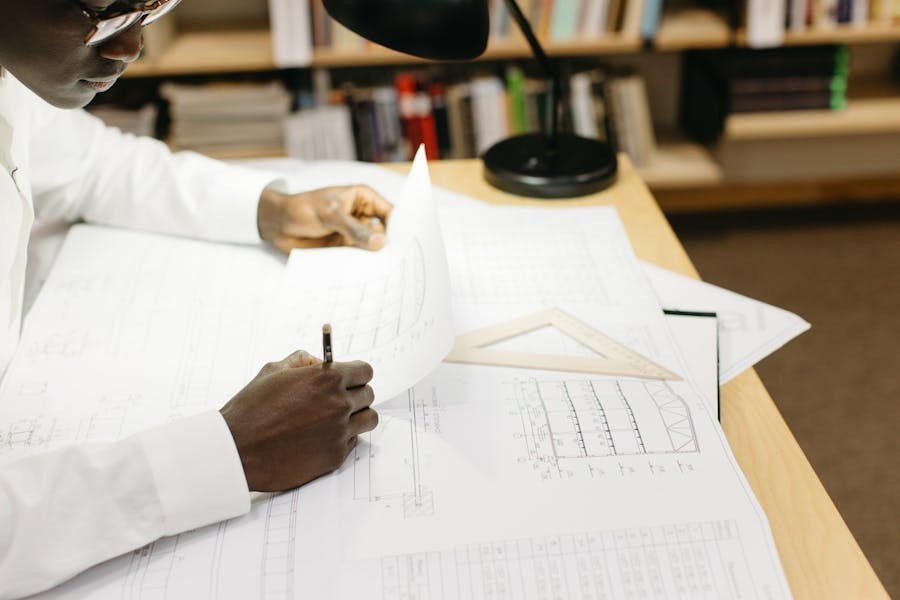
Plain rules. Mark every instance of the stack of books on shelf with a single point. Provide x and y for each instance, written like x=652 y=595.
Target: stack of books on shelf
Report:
x=137 y=122
x=799 y=79
x=320 y=133
x=227 y=119
x=462 y=119
x=768 y=20
x=716 y=84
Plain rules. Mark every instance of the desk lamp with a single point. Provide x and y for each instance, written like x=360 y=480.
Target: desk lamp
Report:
x=551 y=165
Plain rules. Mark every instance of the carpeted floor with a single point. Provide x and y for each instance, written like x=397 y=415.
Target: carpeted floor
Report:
x=838 y=385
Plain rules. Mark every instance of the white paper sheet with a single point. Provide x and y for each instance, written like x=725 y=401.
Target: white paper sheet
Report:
x=170 y=317
x=749 y=330
x=479 y=482
x=390 y=308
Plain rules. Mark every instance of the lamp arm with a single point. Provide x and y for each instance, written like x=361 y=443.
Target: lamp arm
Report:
x=549 y=69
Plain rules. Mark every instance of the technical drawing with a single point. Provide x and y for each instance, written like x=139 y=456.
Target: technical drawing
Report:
x=61 y=345
x=392 y=473
x=371 y=314
x=507 y=267
x=687 y=560
x=277 y=567
x=105 y=423
x=565 y=422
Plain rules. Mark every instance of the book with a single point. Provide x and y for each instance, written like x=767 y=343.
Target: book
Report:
x=765 y=23
x=488 y=112
x=798 y=13
x=291 y=32
x=632 y=17
x=564 y=20
x=650 y=18
x=584 y=116
x=630 y=112
x=515 y=89
x=460 y=121
x=593 y=18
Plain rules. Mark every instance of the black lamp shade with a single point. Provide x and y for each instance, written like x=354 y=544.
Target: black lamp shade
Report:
x=432 y=29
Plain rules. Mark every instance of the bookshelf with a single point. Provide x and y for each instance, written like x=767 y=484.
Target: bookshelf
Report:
x=241 y=50
x=839 y=34
x=203 y=52
x=863 y=116
x=679 y=167
x=682 y=164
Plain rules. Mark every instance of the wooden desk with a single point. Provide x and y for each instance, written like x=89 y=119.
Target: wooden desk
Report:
x=819 y=554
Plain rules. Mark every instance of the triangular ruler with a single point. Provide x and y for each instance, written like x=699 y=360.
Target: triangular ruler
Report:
x=613 y=358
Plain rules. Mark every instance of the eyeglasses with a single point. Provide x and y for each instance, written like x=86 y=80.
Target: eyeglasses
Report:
x=112 y=21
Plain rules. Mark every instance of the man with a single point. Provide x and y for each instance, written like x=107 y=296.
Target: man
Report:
x=64 y=511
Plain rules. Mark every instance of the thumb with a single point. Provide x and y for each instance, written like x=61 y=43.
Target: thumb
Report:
x=300 y=358
x=356 y=233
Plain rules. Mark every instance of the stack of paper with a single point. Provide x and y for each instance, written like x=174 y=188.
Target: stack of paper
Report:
x=480 y=482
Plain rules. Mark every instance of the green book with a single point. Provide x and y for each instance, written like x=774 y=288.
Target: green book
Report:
x=515 y=89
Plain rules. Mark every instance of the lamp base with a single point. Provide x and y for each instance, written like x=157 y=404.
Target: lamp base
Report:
x=520 y=165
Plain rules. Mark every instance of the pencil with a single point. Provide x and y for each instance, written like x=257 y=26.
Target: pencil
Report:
x=327 y=355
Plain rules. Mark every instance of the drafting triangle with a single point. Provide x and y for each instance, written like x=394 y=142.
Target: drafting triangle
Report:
x=612 y=357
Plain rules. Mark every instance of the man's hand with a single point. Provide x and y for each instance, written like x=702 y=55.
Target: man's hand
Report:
x=299 y=419
x=352 y=215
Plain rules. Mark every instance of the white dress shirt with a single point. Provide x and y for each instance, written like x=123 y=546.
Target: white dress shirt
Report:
x=64 y=511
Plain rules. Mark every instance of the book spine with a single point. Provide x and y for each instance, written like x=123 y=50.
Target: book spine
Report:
x=426 y=125
x=438 y=92
x=406 y=101
x=765 y=23
x=650 y=19
x=515 y=82
x=798 y=15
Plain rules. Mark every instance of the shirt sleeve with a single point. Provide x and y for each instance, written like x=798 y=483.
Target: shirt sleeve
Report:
x=83 y=169
x=64 y=511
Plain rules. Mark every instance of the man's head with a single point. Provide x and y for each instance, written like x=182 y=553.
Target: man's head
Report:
x=44 y=43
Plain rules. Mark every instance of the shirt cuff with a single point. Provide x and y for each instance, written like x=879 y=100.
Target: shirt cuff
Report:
x=233 y=194
x=197 y=470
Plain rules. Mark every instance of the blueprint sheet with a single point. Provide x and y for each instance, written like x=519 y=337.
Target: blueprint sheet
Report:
x=389 y=308
x=479 y=482
x=749 y=330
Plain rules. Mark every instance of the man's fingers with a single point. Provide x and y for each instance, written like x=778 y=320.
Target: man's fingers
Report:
x=356 y=373
x=356 y=233
x=286 y=243
x=370 y=203
x=301 y=358
x=360 y=398
x=363 y=421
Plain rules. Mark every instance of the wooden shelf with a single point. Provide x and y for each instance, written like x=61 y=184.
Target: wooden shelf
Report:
x=679 y=165
x=840 y=34
x=241 y=51
x=210 y=52
x=692 y=29
x=205 y=52
x=861 y=117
